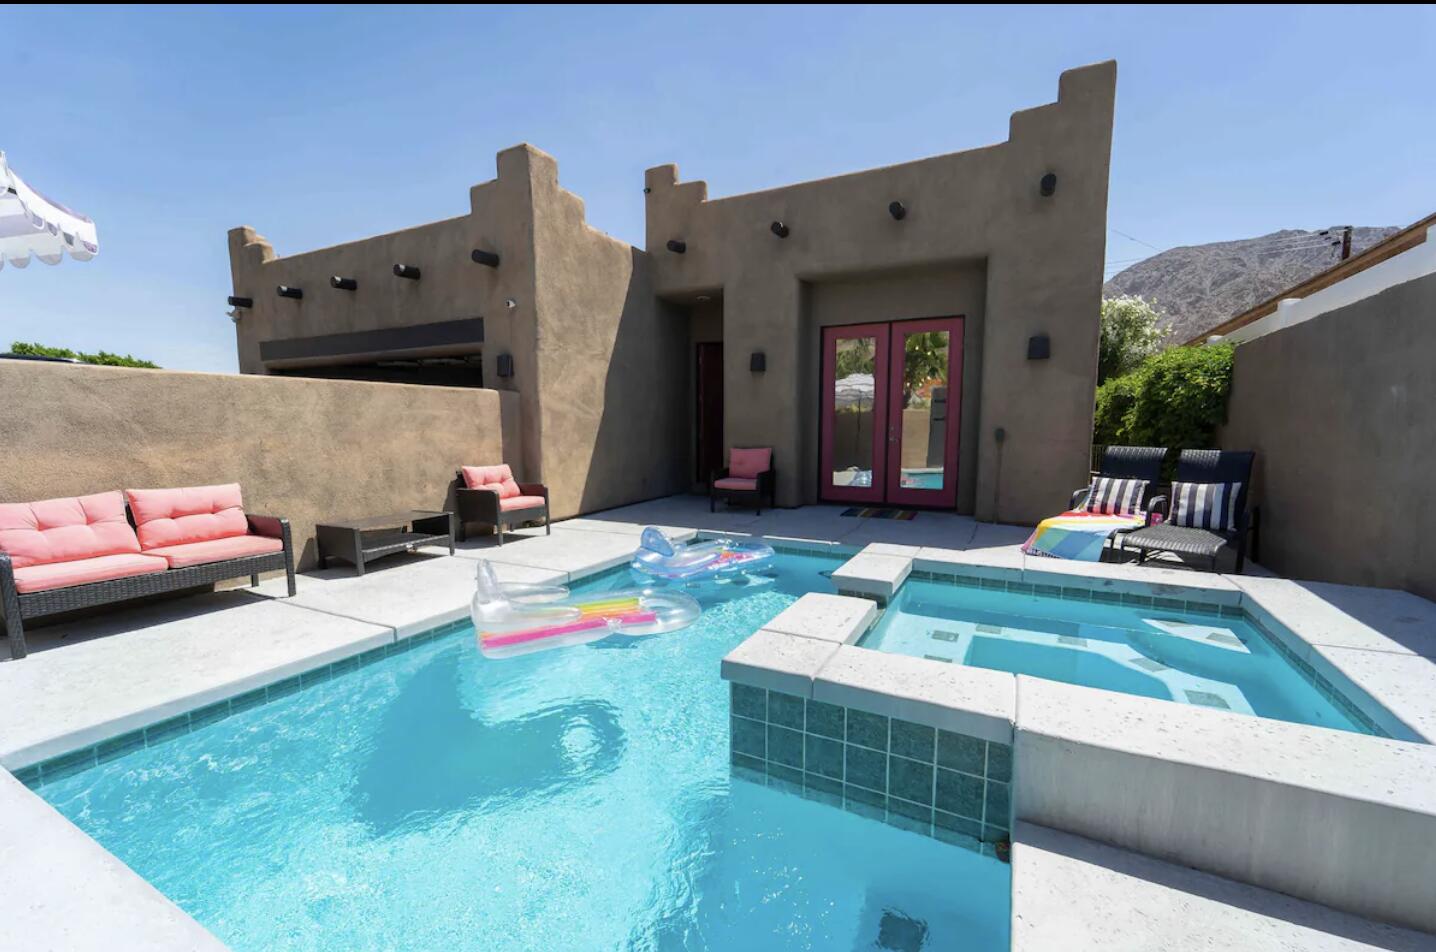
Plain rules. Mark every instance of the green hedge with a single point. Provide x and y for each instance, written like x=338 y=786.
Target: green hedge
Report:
x=1176 y=398
x=103 y=357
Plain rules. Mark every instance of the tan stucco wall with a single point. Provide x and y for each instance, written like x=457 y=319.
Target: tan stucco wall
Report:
x=1042 y=261
x=1339 y=412
x=303 y=449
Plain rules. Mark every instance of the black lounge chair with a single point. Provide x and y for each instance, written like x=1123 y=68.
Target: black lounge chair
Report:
x=1127 y=462
x=1206 y=467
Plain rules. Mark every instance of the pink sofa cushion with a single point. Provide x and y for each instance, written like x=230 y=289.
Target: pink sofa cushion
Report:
x=62 y=530
x=749 y=463
x=167 y=517
x=736 y=482
x=499 y=479
x=520 y=502
x=101 y=568
x=216 y=550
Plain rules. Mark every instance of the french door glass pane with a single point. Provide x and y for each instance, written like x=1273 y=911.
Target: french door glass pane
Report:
x=924 y=410
x=854 y=414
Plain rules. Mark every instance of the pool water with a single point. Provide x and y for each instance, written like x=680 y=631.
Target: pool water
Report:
x=1191 y=658
x=573 y=799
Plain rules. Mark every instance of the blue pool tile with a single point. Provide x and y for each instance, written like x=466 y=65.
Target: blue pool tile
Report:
x=866 y=768
x=959 y=793
x=868 y=803
x=284 y=688
x=750 y=702
x=247 y=701
x=915 y=817
x=208 y=715
x=960 y=752
x=749 y=737
x=998 y=805
x=164 y=730
x=1077 y=594
x=785 y=747
x=957 y=830
x=826 y=719
x=823 y=756
x=749 y=768
x=119 y=746
x=30 y=776
x=68 y=765
x=786 y=779
x=993 y=834
x=785 y=710
x=870 y=730
x=999 y=762
x=914 y=741
x=823 y=790
x=910 y=780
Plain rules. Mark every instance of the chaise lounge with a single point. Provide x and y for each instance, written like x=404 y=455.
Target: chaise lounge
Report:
x=59 y=555
x=1141 y=463
x=1207 y=511
x=489 y=495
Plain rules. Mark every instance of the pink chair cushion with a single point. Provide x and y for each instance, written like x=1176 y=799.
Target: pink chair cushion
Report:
x=749 y=463
x=736 y=482
x=499 y=479
x=101 y=568
x=216 y=550
x=520 y=502
x=166 y=517
x=62 y=530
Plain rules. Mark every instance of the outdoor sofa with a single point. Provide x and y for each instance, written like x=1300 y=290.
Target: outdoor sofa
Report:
x=750 y=476
x=489 y=495
x=1205 y=511
x=59 y=555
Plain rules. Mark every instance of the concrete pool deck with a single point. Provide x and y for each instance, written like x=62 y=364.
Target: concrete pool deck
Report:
x=96 y=678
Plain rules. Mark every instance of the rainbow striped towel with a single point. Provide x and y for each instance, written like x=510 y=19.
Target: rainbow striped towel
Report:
x=1077 y=534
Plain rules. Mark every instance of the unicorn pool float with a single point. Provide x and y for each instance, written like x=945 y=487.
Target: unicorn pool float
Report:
x=661 y=558
x=518 y=619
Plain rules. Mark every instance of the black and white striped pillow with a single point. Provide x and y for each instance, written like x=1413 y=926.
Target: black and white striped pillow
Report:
x=1116 y=497
x=1205 y=505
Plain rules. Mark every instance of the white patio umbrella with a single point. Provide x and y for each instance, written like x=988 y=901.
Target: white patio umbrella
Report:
x=31 y=224
x=854 y=390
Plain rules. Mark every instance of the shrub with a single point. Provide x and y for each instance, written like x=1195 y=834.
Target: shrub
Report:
x=102 y=357
x=1176 y=398
x=1129 y=335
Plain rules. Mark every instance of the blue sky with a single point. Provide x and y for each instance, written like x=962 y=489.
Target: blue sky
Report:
x=169 y=127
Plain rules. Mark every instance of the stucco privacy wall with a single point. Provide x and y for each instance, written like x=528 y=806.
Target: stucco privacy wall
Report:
x=1042 y=258
x=300 y=448
x=1339 y=412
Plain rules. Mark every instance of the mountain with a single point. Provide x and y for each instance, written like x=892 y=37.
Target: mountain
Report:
x=1200 y=286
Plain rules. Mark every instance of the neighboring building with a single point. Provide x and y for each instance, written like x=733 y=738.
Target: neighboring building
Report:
x=743 y=318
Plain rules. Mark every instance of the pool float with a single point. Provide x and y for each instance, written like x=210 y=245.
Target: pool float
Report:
x=659 y=557
x=513 y=620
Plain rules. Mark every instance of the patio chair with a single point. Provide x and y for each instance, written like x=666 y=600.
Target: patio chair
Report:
x=1207 y=511
x=750 y=476
x=489 y=495
x=1126 y=462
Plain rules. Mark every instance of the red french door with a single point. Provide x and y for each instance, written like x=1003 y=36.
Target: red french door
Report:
x=890 y=407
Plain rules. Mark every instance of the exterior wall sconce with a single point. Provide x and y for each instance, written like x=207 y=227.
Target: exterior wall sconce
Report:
x=779 y=229
x=343 y=284
x=1039 y=347
x=510 y=303
x=676 y=246
x=506 y=365
x=1048 y=185
x=758 y=363
x=285 y=290
x=898 y=210
x=406 y=271
x=240 y=301
x=486 y=258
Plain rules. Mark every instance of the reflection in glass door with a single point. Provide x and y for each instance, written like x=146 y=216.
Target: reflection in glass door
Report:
x=854 y=412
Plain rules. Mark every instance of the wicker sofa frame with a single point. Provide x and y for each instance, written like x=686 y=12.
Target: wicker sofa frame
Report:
x=766 y=486
x=1127 y=462
x=483 y=506
x=19 y=606
x=1204 y=466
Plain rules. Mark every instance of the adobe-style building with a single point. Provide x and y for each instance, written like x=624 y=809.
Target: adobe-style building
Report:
x=922 y=335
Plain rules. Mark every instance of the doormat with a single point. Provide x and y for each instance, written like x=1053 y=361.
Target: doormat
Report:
x=902 y=515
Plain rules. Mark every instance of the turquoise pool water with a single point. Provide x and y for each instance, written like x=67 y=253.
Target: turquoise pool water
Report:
x=1187 y=657
x=576 y=799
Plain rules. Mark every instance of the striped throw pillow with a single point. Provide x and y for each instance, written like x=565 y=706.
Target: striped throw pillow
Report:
x=1205 y=505
x=1116 y=497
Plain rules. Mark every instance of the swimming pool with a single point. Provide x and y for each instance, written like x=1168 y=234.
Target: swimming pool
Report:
x=1207 y=658
x=579 y=799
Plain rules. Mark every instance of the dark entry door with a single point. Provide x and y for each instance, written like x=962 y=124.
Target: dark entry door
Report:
x=708 y=419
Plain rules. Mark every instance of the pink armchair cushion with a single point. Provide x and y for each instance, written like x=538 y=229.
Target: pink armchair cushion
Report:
x=748 y=464
x=736 y=482
x=166 y=517
x=101 y=568
x=216 y=550
x=62 y=530
x=499 y=479
x=520 y=502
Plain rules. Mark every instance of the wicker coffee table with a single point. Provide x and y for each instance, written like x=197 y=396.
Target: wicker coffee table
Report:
x=360 y=541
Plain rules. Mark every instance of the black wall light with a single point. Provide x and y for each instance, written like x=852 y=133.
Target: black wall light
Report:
x=758 y=363
x=241 y=301
x=406 y=271
x=285 y=290
x=485 y=258
x=506 y=365
x=343 y=284
x=1048 y=185
x=676 y=246
x=898 y=210
x=779 y=229
x=1039 y=347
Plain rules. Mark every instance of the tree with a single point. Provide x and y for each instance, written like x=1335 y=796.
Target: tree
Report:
x=1129 y=335
x=102 y=357
x=924 y=361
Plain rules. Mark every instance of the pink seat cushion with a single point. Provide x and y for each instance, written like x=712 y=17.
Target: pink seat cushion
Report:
x=166 y=517
x=736 y=482
x=749 y=463
x=62 y=530
x=216 y=550
x=102 y=568
x=499 y=479
x=520 y=502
